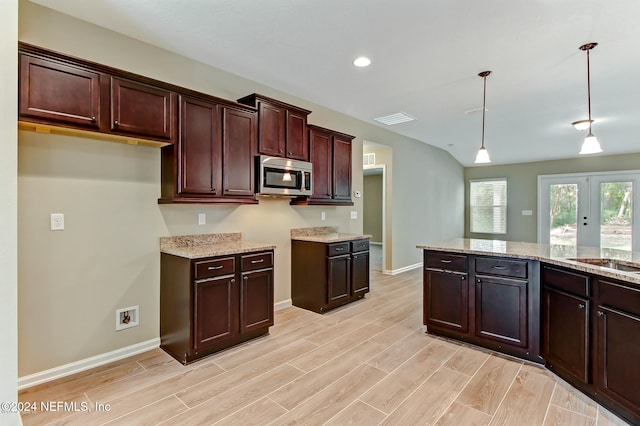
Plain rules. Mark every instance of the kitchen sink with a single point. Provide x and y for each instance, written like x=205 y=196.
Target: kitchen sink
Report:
x=619 y=265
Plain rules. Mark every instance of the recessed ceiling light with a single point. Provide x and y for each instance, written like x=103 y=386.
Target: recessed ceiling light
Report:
x=362 y=61
x=582 y=124
x=392 y=119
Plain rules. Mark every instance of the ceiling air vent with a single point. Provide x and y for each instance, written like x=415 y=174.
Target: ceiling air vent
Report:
x=392 y=119
x=369 y=159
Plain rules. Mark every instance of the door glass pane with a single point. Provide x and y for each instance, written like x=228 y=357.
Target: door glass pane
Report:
x=563 y=210
x=616 y=215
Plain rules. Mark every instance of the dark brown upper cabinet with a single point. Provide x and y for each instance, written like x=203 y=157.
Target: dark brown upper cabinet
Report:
x=330 y=154
x=57 y=92
x=73 y=96
x=141 y=109
x=282 y=128
x=213 y=160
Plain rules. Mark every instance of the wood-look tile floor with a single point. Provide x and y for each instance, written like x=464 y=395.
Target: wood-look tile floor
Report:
x=367 y=363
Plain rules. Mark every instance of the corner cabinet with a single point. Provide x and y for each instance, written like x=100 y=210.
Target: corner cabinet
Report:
x=210 y=304
x=282 y=128
x=330 y=153
x=489 y=301
x=213 y=160
x=327 y=275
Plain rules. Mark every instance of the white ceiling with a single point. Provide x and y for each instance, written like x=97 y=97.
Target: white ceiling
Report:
x=426 y=58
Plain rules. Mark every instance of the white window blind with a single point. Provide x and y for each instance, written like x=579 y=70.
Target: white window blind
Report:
x=488 y=199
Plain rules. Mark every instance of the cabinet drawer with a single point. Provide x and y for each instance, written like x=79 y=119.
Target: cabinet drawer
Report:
x=215 y=267
x=502 y=267
x=570 y=282
x=619 y=296
x=338 y=248
x=450 y=262
x=257 y=261
x=359 y=245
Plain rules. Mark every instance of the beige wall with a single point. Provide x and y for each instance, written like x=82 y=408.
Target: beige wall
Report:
x=72 y=281
x=522 y=188
x=8 y=209
x=372 y=207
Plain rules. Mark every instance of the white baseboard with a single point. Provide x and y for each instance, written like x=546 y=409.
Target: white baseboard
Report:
x=401 y=270
x=86 y=364
x=281 y=305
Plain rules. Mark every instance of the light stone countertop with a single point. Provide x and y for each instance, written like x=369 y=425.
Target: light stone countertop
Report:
x=209 y=245
x=324 y=234
x=556 y=255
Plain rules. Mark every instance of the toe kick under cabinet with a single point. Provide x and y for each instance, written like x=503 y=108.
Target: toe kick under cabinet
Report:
x=210 y=304
x=327 y=275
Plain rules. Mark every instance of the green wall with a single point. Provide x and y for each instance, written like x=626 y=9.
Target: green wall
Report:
x=522 y=188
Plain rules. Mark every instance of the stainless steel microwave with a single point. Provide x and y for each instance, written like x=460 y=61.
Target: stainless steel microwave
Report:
x=283 y=176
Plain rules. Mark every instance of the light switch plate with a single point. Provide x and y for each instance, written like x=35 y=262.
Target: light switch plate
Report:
x=354 y=215
x=202 y=218
x=57 y=221
x=323 y=215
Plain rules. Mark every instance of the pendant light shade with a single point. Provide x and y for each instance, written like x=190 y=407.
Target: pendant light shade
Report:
x=590 y=144
x=483 y=154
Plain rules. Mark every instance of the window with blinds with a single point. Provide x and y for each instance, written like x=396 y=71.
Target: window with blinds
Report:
x=488 y=213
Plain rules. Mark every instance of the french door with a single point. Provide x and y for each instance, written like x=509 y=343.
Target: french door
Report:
x=595 y=210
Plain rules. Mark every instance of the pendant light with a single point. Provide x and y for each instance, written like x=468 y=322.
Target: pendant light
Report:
x=590 y=144
x=483 y=154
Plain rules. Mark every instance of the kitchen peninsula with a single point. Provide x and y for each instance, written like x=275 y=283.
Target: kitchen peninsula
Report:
x=575 y=309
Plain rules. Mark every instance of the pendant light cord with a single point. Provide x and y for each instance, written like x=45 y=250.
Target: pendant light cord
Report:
x=589 y=90
x=484 y=103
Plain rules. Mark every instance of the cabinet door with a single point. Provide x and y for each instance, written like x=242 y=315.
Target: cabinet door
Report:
x=360 y=273
x=239 y=145
x=320 y=155
x=297 y=140
x=617 y=354
x=338 y=278
x=53 y=91
x=215 y=317
x=256 y=300
x=446 y=300
x=199 y=148
x=565 y=333
x=341 y=169
x=271 y=129
x=141 y=109
x=502 y=310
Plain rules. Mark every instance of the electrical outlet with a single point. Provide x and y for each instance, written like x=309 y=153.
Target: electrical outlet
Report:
x=323 y=216
x=202 y=218
x=127 y=317
x=354 y=214
x=57 y=221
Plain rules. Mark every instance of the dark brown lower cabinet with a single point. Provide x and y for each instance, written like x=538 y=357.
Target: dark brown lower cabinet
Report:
x=565 y=331
x=446 y=300
x=591 y=336
x=489 y=301
x=210 y=304
x=501 y=310
x=327 y=275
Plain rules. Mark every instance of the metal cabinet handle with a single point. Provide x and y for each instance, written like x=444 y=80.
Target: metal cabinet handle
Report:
x=339 y=248
x=580 y=305
x=232 y=280
x=213 y=268
x=257 y=261
x=93 y=119
x=499 y=267
x=600 y=313
x=445 y=261
x=116 y=123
